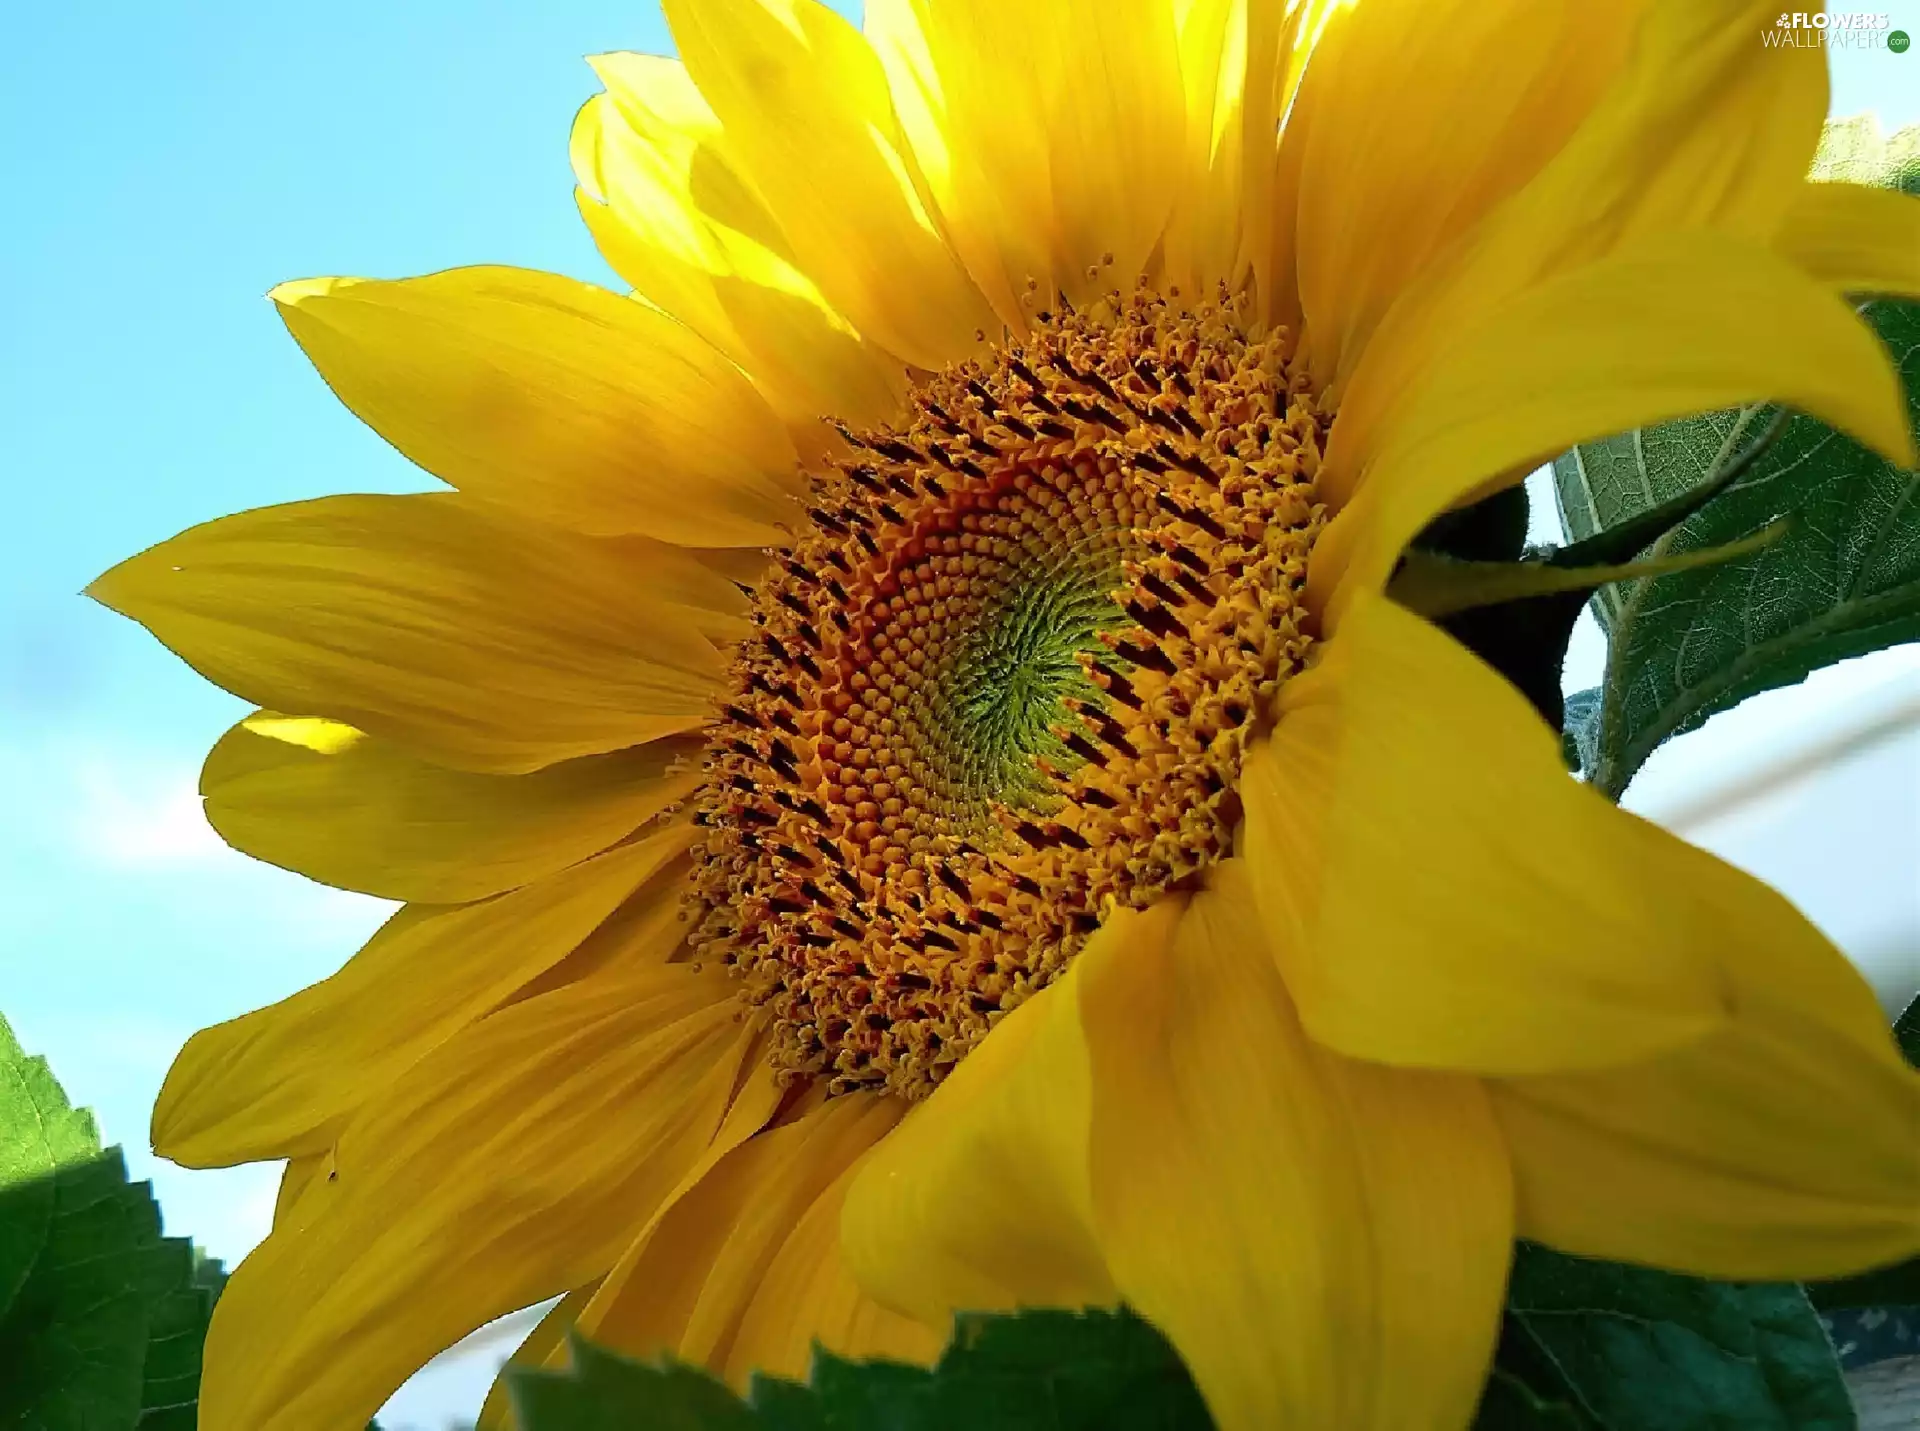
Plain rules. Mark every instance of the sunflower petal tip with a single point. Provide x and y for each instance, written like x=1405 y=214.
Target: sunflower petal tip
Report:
x=606 y=65
x=1908 y=454
x=108 y=588
x=301 y=292
x=165 y=1131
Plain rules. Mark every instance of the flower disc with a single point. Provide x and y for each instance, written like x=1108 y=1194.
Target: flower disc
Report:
x=1004 y=683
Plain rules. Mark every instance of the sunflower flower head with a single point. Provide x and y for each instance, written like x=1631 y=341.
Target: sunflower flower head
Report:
x=1003 y=683
x=999 y=844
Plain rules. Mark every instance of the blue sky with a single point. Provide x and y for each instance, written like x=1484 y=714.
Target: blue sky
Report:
x=165 y=165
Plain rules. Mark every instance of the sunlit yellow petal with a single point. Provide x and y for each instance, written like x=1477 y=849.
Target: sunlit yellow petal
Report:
x=980 y=1200
x=649 y=927
x=547 y=1337
x=685 y=1285
x=966 y=115
x=1109 y=71
x=505 y=1167
x=805 y=108
x=299 y=1175
x=808 y=1297
x=673 y=217
x=1414 y=120
x=1239 y=60
x=1704 y=127
x=755 y=1100
x=1858 y=239
x=1290 y=1220
x=557 y=398
x=351 y=810
x=1683 y=324
x=280 y=1081
x=1786 y=1146
x=1053 y=135
x=1415 y=867
x=408 y=618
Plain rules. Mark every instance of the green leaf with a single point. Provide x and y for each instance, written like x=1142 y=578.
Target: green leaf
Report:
x=1844 y=580
x=1510 y=1404
x=1037 y=1371
x=1638 y=1350
x=1853 y=151
x=1896 y=1286
x=1580 y=729
x=176 y=1331
x=1906 y=1029
x=605 y=1392
x=38 y=1133
x=101 y=1320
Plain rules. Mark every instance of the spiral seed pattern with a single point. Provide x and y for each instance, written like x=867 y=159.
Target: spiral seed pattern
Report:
x=1004 y=683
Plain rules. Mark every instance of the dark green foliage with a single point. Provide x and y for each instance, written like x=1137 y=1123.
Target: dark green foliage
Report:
x=101 y=1317
x=1039 y=1371
x=1585 y=1346
x=1629 y=1349
x=1842 y=581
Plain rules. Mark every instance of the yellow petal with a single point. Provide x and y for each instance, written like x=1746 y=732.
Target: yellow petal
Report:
x=1702 y=128
x=672 y=216
x=754 y=1102
x=1682 y=324
x=808 y=119
x=547 y=1337
x=1855 y=238
x=1786 y=1146
x=560 y=399
x=1055 y=158
x=977 y=140
x=1325 y=1242
x=1272 y=237
x=296 y=1178
x=1415 y=119
x=1115 y=113
x=351 y=810
x=808 y=1296
x=686 y=1283
x=1444 y=895
x=979 y=1200
x=430 y=620
x=648 y=928
x=510 y=1164
x=279 y=1082
x=1237 y=66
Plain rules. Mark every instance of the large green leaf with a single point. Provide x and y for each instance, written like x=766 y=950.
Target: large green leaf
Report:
x=1038 y=1371
x=1585 y=1346
x=1637 y=1350
x=1854 y=151
x=38 y=1133
x=1843 y=580
x=1906 y=1029
x=101 y=1317
x=1510 y=1403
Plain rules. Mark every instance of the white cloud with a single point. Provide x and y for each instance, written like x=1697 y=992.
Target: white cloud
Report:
x=137 y=812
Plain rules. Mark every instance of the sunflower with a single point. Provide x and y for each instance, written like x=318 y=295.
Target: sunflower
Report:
x=908 y=790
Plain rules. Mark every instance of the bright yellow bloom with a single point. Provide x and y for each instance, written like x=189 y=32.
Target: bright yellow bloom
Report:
x=999 y=845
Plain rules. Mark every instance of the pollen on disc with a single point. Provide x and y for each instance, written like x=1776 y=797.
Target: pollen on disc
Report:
x=1004 y=683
